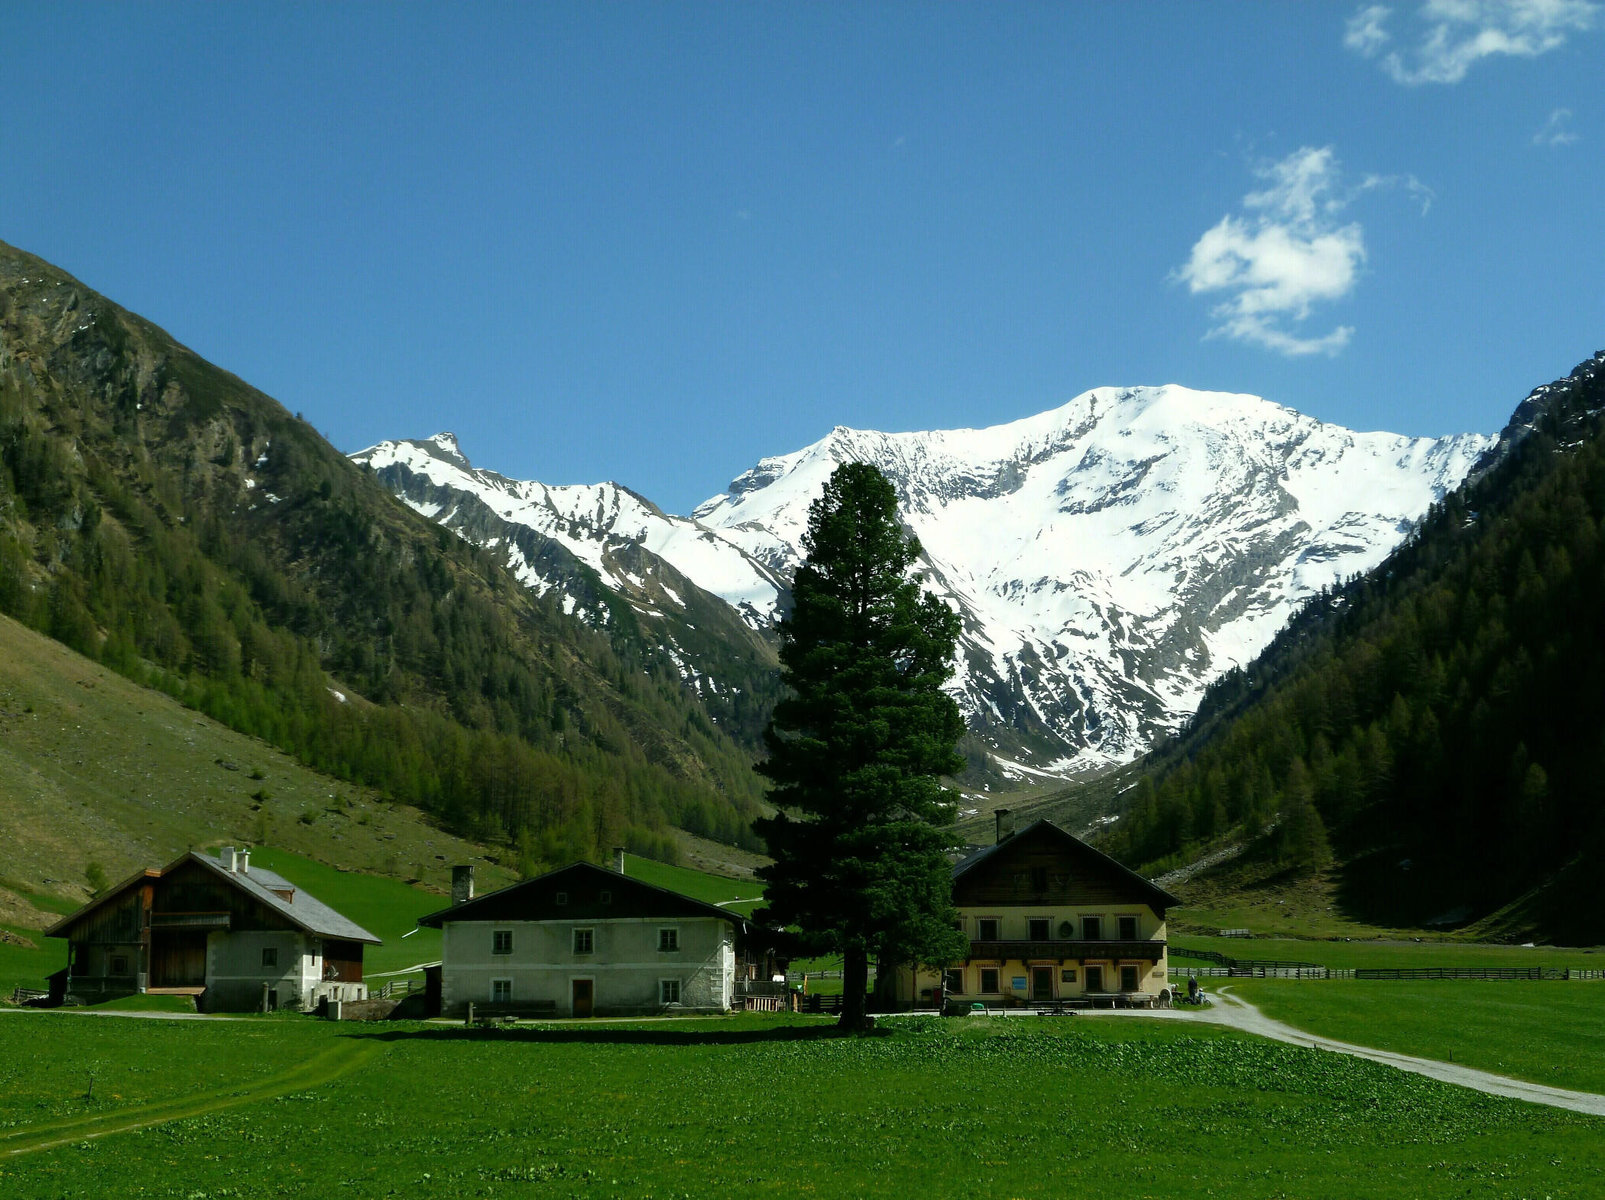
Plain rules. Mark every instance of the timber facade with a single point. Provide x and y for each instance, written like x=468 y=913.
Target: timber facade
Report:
x=1051 y=921
x=238 y=939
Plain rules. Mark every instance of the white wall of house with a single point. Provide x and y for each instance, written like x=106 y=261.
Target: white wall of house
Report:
x=629 y=961
x=238 y=969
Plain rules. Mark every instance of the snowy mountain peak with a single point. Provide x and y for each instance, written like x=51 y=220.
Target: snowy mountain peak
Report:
x=1110 y=557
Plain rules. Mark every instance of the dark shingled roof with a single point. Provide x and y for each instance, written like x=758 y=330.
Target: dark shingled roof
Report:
x=1156 y=894
x=532 y=900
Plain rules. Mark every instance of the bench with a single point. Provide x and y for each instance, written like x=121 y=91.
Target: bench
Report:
x=1059 y=1008
x=495 y=1014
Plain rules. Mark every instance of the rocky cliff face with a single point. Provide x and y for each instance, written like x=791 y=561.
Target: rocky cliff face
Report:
x=1109 y=557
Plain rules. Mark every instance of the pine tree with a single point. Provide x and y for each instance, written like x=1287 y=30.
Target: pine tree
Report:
x=857 y=748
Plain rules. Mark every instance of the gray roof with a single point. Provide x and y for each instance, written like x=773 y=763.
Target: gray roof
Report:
x=303 y=908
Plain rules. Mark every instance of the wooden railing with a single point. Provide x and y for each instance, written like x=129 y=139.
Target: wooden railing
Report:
x=1068 y=948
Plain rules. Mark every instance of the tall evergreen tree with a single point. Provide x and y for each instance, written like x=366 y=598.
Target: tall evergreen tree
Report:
x=857 y=747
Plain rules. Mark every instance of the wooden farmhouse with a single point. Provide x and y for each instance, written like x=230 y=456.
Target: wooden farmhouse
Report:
x=237 y=938
x=1051 y=921
x=587 y=941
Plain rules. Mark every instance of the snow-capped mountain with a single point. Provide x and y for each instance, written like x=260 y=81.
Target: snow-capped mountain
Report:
x=665 y=584
x=1109 y=557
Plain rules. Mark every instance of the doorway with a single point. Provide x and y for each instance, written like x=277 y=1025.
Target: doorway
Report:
x=583 y=1003
x=178 y=959
x=1042 y=983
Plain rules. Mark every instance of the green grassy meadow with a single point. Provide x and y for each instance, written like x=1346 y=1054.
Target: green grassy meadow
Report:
x=1547 y=1031
x=964 y=1107
x=714 y=889
x=1349 y=954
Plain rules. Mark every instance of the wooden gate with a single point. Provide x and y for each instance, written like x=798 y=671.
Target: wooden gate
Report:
x=178 y=958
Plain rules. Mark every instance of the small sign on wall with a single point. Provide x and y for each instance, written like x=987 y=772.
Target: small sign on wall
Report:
x=1018 y=983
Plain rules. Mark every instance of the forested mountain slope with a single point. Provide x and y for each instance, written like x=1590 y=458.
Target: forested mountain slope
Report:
x=162 y=516
x=1437 y=726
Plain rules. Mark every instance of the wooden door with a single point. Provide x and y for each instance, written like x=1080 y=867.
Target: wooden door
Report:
x=582 y=997
x=1042 y=983
x=178 y=960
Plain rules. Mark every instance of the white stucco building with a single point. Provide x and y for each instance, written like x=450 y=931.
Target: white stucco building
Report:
x=584 y=941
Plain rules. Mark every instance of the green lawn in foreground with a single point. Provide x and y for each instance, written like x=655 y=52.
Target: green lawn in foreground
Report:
x=1390 y=954
x=761 y=1106
x=1548 y=1031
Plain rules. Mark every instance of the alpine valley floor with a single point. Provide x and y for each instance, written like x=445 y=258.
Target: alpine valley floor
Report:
x=756 y=1104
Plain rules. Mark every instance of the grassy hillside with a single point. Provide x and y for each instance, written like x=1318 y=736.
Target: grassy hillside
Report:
x=97 y=770
x=169 y=521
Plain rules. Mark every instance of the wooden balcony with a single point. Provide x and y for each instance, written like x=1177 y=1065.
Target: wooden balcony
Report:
x=1067 y=950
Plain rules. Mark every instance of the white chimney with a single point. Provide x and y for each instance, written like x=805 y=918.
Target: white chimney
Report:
x=230 y=859
x=462 y=884
x=1005 y=824
x=618 y=859
x=245 y=861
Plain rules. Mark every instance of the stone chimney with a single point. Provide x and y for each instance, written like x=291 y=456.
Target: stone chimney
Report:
x=1005 y=825
x=618 y=859
x=245 y=860
x=231 y=859
x=462 y=884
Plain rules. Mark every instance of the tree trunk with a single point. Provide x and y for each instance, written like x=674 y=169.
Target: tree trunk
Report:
x=855 y=983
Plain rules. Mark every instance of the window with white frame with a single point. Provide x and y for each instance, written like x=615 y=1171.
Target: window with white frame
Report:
x=1127 y=927
x=989 y=981
x=668 y=939
x=501 y=991
x=668 y=991
x=501 y=941
x=953 y=981
x=584 y=941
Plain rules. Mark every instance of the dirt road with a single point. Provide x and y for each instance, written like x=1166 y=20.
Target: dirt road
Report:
x=1240 y=1014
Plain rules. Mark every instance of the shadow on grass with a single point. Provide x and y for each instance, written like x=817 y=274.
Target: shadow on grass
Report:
x=607 y=1035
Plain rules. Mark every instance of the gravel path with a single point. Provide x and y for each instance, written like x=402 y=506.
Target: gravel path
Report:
x=1240 y=1014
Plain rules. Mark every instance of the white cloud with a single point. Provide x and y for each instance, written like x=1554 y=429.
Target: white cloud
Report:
x=1365 y=34
x=1557 y=130
x=1287 y=253
x=1456 y=34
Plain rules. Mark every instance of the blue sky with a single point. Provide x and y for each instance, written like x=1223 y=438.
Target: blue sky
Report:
x=655 y=242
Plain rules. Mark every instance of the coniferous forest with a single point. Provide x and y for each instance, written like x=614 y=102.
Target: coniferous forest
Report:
x=163 y=517
x=1436 y=727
